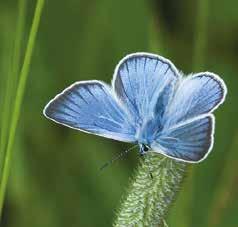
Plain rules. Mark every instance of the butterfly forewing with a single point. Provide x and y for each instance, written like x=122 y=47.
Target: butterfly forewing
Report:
x=196 y=95
x=142 y=82
x=91 y=107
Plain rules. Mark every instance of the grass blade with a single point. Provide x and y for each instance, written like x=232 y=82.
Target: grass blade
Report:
x=19 y=97
x=12 y=78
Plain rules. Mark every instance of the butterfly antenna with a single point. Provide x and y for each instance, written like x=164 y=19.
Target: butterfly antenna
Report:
x=122 y=154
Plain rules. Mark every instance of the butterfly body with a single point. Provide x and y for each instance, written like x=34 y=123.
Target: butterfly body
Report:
x=150 y=103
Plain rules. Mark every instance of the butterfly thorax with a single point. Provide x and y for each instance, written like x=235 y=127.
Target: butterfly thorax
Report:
x=147 y=133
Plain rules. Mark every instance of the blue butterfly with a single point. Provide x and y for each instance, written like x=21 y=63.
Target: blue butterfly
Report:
x=149 y=103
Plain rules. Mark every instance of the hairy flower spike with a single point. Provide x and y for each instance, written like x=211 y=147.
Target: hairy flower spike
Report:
x=149 y=198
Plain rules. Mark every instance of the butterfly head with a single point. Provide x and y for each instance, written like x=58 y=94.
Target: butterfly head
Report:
x=144 y=148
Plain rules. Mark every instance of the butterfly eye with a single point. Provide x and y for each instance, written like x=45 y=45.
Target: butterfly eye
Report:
x=145 y=148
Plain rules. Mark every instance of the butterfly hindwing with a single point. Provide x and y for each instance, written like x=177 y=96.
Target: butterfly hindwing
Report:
x=91 y=107
x=190 y=141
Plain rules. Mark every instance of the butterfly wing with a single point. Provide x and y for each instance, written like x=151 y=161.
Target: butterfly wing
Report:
x=188 y=141
x=188 y=123
x=91 y=107
x=196 y=95
x=145 y=82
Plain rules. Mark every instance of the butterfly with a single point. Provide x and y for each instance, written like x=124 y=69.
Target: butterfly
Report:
x=150 y=103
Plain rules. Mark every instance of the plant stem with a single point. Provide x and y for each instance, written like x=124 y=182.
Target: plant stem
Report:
x=149 y=199
x=12 y=78
x=19 y=97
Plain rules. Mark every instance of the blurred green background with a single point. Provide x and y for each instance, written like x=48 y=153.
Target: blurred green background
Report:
x=55 y=180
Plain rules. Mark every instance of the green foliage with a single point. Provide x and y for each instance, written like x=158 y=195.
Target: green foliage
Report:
x=152 y=190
